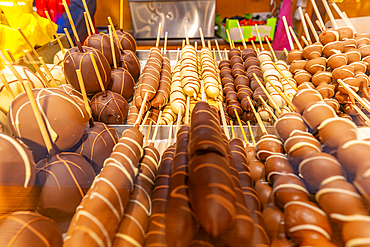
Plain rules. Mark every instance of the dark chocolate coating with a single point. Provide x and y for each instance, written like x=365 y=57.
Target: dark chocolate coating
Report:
x=65 y=177
x=101 y=42
x=254 y=70
x=109 y=107
x=234 y=60
x=130 y=62
x=241 y=80
x=259 y=92
x=122 y=83
x=234 y=52
x=251 y=61
x=238 y=69
x=25 y=228
x=18 y=174
x=62 y=113
x=247 y=53
x=127 y=41
x=76 y=59
x=225 y=71
x=97 y=144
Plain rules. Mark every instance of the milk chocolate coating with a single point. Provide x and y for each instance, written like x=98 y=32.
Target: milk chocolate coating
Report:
x=312 y=51
x=18 y=174
x=127 y=41
x=316 y=167
x=241 y=80
x=25 y=228
x=251 y=61
x=287 y=123
x=109 y=107
x=277 y=165
x=316 y=113
x=273 y=215
x=362 y=39
x=130 y=62
x=254 y=84
x=122 y=83
x=337 y=60
x=235 y=59
x=77 y=96
x=101 y=42
x=205 y=138
x=238 y=69
x=138 y=208
x=151 y=74
x=326 y=91
x=297 y=65
x=233 y=104
x=268 y=145
x=301 y=76
x=333 y=48
x=334 y=132
x=76 y=59
x=294 y=55
x=256 y=70
x=300 y=144
x=305 y=85
x=353 y=55
x=345 y=33
x=343 y=72
x=315 y=65
x=65 y=177
x=97 y=144
x=333 y=104
x=349 y=44
x=181 y=224
x=109 y=194
x=289 y=188
x=329 y=35
x=156 y=234
x=234 y=52
x=259 y=92
x=59 y=110
x=342 y=98
x=321 y=77
x=304 y=98
x=163 y=92
x=224 y=64
x=225 y=71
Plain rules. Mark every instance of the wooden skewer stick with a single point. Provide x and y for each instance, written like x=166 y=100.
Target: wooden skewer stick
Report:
x=187 y=112
x=10 y=55
x=304 y=25
x=156 y=126
x=121 y=14
x=114 y=32
x=304 y=41
x=158 y=34
x=232 y=41
x=232 y=129
x=319 y=25
x=354 y=94
x=68 y=37
x=55 y=33
x=196 y=46
x=170 y=134
x=251 y=133
x=202 y=37
x=214 y=54
x=40 y=121
x=284 y=76
x=330 y=14
x=241 y=35
x=6 y=85
x=362 y=114
x=225 y=53
x=71 y=21
x=28 y=42
x=218 y=50
x=271 y=49
x=288 y=101
x=267 y=94
x=54 y=83
x=112 y=46
x=259 y=36
x=313 y=30
x=37 y=68
x=348 y=21
x=286 y=52
x=287 y=33
x=148 y=133
x=223 y=119
x=144 y=121
x=83 y=92
x=165 y=43
x=186 y=35
x=11 y=67
x=229 y=38
x=317 y=12
x=295 y=38
x=339 y=12
x=258 y=117
x=87 y=24
x=142 y=108
x=241 y=126
x=183 y=44
x=97 y=72
x=267 y=108
x=254 y=46
x=209 y=45
x=91 y=24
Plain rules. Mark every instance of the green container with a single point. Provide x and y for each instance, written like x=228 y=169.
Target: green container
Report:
x=248 y=31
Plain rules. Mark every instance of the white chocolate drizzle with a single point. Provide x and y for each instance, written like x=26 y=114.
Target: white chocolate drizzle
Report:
x=311 y=228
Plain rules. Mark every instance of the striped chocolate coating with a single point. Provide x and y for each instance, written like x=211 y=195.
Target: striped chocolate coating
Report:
x=163 y=92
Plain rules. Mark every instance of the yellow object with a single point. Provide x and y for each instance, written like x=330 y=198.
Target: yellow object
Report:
x=19 y=14
x=4 y=123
